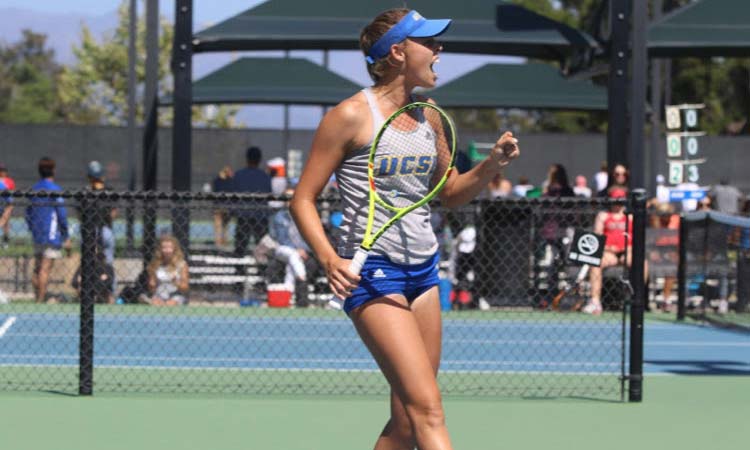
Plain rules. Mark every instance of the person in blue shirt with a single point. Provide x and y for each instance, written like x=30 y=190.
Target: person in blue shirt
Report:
x=301 y=266
x=48 y=222
x=253 y=219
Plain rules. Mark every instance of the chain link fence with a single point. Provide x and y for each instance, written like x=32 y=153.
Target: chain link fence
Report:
x=156 y=292
x=714 y=270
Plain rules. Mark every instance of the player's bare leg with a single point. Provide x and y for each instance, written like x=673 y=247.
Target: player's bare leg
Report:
x=405 y=342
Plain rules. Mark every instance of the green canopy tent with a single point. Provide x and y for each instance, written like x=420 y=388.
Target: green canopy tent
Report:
x=703 y=28
x=286 y=81
x=528 y=86
x=336 y=24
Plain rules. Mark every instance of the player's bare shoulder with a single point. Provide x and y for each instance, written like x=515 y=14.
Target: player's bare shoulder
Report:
x=348 y=119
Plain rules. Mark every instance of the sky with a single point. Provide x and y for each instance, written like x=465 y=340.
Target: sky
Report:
x=348 y=64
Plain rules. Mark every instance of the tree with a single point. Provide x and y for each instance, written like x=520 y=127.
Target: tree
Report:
x=27 y=81
x=94 y=89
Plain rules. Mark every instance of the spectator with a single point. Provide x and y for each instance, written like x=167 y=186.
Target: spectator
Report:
x=168 y=277
x=277 y=172
x=6 y=179
x=726 y=197
x=222 y=183
x=662 y=191
x=6 y=183
x=557 y=184
x=522 y=187
x=251 y=221
x=105 y=214
x=48 y=221
x=665 y=248
x=617 y=227
x=462 y=262
x=295 y=253
x=689 y=204
x=581 y=189
x=705 y=204
x=6 y=209
x=601 y=178
x=103 y=282
x=620 y=176
x=498 y=187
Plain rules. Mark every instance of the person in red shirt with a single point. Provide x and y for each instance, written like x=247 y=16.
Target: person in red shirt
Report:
x=6 y=182
x=618 y=229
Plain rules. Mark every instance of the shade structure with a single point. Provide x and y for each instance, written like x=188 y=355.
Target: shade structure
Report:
x=701 y=29
x=528 y=86
x=336 y=25
x=272 y=80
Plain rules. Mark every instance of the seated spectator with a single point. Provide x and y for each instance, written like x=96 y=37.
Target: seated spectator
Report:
x=222 y=183
x=523 y=186
x=104 y=275
x=292 y=250
x=664 y=217
x=498 y=187
x=168 y=277
x=617 y=227
x=620 y=176
x=581 y=189
x=705 y=204
x=557 y=184
x=601 y=178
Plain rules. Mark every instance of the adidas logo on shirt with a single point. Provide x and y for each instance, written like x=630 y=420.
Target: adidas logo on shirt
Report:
x=379 y=274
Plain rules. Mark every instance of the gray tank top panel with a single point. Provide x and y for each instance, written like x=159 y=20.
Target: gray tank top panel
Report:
x=411 y=240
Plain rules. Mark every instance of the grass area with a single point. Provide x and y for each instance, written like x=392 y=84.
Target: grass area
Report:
x=686 y=413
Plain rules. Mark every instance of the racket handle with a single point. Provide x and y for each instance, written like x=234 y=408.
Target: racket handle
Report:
x=355 y=267
x=358 y=261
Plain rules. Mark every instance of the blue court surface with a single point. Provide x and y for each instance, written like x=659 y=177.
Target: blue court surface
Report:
x=309 y=343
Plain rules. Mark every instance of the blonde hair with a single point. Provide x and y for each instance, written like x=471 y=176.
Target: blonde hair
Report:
x=374 y=31
x=178 y=258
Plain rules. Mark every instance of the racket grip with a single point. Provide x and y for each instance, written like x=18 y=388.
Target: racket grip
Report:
x=355 y=267
x=358 y=261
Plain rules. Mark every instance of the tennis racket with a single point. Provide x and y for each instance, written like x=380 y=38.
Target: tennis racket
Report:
x=410 y=160
x=582 y=272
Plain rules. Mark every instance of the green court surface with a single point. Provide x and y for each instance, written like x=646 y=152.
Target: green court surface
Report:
x=678 y=412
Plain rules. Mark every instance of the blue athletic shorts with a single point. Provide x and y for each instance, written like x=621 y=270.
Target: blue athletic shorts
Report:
x=381 y=277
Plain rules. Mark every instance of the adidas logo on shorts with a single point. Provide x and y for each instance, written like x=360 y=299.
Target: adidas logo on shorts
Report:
x=379 y=274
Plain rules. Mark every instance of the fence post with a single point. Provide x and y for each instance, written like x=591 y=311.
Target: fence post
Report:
x=681 y=267
x=88 y=278
x=635 y=378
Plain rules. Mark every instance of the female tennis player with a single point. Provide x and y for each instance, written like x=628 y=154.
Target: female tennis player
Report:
x=394 y=305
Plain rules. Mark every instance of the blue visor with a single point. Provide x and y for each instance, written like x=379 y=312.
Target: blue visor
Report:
x=412 y=25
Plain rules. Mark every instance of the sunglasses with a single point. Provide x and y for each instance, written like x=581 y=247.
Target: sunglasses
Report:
x=430 y=42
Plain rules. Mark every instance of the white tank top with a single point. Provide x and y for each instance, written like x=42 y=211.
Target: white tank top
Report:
x=411 y=240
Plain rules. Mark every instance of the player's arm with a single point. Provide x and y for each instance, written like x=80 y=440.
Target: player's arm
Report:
x=599 y=222
x=334 y=137
x=462 y=188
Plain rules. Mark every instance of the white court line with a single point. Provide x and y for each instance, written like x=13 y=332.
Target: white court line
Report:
x=6 y=325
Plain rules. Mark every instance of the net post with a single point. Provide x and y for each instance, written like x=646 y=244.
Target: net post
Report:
x=637 y=272
x=88 y=279
x=681 y=270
